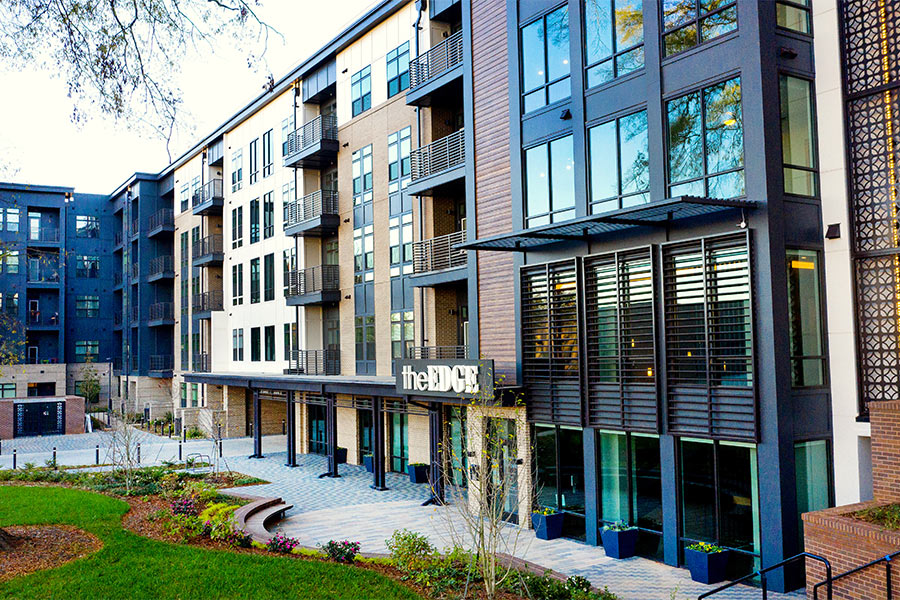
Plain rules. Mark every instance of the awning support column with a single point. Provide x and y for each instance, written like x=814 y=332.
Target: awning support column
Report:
x=291 y=432
x=378 y=443
x=257 y=426
x=435 y=437
x=331 y=437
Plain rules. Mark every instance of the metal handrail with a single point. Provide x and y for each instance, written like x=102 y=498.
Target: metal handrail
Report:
x=310 y=206
x=321 y=278
x=437 y=352
x=211 y=244
x=886 y=559
x=435 y=254
x=161 y=218
x=315 y=362
x=211 y=190
x=200 y=363
x=44 y=234
x=161 y=362
x=439 y=155
x=208 y=301
x=161 y=264
x=162 y=310
x=323 y=127
x=119 y=238
x=762 y=575
x=436 y=61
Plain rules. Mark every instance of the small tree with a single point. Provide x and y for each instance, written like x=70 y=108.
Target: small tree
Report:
x=90 y=382
x=123 y=449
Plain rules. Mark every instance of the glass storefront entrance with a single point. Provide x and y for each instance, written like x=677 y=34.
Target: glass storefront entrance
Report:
x=457 y=461
x=316 y=430
x=399 y=442
x=505 y=478
x=365 y=433
x=559 y=458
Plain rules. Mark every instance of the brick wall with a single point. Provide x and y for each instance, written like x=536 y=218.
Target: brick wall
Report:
x=7 y=414
x=235 y=406
x=74 y=414
x=885 y=421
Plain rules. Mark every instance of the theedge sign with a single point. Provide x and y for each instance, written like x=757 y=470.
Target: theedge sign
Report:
x=446 y=378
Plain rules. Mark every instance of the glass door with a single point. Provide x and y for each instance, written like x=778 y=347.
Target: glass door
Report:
x=399 y=442
x=505 y=478
x=559 y=457
x=317 y=440
x=366 y=433
x=457 y=461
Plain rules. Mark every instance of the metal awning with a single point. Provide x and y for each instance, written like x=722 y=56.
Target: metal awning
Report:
x=663 y=213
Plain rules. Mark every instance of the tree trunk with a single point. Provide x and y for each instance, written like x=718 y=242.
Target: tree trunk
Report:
x=5 y=540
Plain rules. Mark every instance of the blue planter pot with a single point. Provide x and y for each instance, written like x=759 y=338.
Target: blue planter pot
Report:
x=368 y=461
x=341 y=456
x=705 y=567
x=547 y=527
x=417 y=473
x=619 y=544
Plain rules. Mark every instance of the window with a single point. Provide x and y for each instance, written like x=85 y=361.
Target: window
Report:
x=237 y=284
x=269 y=276
x=398 y=69
x=291 y=340
x=85 y=226
x=805 y=319
x=365 y=344
x=185 y=354
x=85 y=266
x=270 y=342
x=183 y=395
x=401 y=238
x=619 y=163
x=195 y=388
x=287 y=198
x=7 y=390
x=361 y=91
x=268 y=215
x=11 y=262
x=287 y=128
x=614 y=39
x=687 y=23
x=87 y=350
x=362 y=178
x=398 y=159
x=364 y=253
x=706 y=142
x=185 y=249
x=195 y=189
x=289 y=258
x=254 y=220
x=254 y=161
x=545 y=60
x=402 y=334
x=237 y=169
x=87 y=306
x=237 y=344
x=12 y=219
x=11 y=304
x=559 y=466
x=237 y=227
x=254 y=344
x=793 y=15
x=550 y=182
x=185 y=296
x=254 y=281
x=813 y=480
x=798 y=145
x=185 y=197
x=268 y=154
x=399 y=442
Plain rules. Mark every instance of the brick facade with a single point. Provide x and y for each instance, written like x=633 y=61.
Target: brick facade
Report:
x=7 y=414
x=885 y=422
x=74 y=414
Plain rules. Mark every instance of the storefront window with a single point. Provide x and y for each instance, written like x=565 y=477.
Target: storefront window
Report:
x=458 y=460
x=317 y=440
x=813 y=482
x=504 y=478
x=559 y=454
x=805 y=319
x=399 y=442
x=366 y=434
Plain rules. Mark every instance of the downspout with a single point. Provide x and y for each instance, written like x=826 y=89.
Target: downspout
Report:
x=420 y=6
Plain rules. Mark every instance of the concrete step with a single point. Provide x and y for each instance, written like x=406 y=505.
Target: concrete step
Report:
x=257 y=524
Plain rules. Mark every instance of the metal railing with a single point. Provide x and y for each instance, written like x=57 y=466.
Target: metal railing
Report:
x=119 y=238
x=135 y=314
x=44 y=234
x=437 y=352
x=211 y=190
x=162 y=310
x=208 y=301
x=117 y=319
x=436 y=60
x=161 y=218
x=211 y=244
x=763 y=583
x=43 y=275
x=438 y=156
x=310 y=206
x=162 y=264
x=888 y=569
x=161 y=362
x=435 y=254
x=200 y=363
x=117 y=279
x=321 y=278
x=135 y=271
x=37 y=318
x=323 y=127
x=315 y=362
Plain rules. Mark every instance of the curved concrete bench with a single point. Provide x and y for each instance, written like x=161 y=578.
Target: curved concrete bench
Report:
x=255 y=517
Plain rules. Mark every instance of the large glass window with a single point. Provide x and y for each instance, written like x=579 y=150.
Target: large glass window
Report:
x=365 y=344
x=254 y=220
x=550 y=182
x=401 y=239
x=254 y=161
x=237 y=284
x=361 y=91
x=287 y=128
x=398 y=69
x=362 y=176
x=270 y=342
x=87 y=350
x=545 y=60
x=291 y=340
x=317 y=433
x=268 y=215
x=237 y=227
x=269 y=277
x=706 y=142
x=559 y=458
x=85 y=226
x=687 y=23
x=402 y=334
x=614 y=39
x=85 y=266
x=399 y=442
x=12 y=219
x=237 y=344
x=255 y=353
x=364 y=254
x=366 y=433
x=398 y=159
x=798 y=143
x=237 y=170
x=254 y=280
x=87 y=306
x=268 y=154
x=619 y=163
x=813 y=478
x=805 y=319
x=11 y=262
x=793 y=15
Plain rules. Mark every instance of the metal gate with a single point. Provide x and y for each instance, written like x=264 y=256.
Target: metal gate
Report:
x=40 y=418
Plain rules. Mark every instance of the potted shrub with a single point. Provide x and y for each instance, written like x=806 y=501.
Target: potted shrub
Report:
x=707 y=562
x=341 y=456
x=418 y=472
x=547 y=523
x=619 y=540
x=368 y=461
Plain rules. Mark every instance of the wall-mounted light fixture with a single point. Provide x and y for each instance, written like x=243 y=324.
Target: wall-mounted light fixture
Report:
x=833 y=232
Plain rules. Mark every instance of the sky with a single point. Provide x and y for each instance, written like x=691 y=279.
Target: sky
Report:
x=39 y=143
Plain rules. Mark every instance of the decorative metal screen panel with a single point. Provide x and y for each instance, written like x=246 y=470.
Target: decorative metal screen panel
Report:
x=550 y=338
x=877 y=313
x=620 y=346
x=709 y=338
x=866 y=31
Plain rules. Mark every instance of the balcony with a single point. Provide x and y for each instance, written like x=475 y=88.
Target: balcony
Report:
x=161 y=314
x=438 y=70
x=161 y=267
x=314 y=362
x=208 y=251
x=437 y=352
x=163 y=221
x=117 y=320
x=135 y=227
x=200 y=363
x=313 y=215
x=43 y=275
x=208 y=200
x=161 y=365
x=117 y=279
x=314 y=285
x=135 y=316
x=206 y=302
x=120 y=239
x=440 y=165
x=135 y=272
x=42 y=236
x=436 y=262
x=313 y=146
x=42 y=320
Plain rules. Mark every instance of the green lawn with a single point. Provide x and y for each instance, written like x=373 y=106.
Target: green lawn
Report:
x=131 y=566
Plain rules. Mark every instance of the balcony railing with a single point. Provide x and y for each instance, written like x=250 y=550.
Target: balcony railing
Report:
x=161 y=362
x=436 y=61
x=208 y=301
x=135 y=314
x=135 y=271
x=439 y=155
x=437 y=352
x=38 y=318
x=211 y=190
x=44 y=234
x=117 y=319
x=435 y=254
x=321 y=278
x=162 y=264
x=323 y=127
x=315 y=362
x=43 y=275
x=135 y=226
x=117 y=279
x=211 y=244
x=200 y=363
x=161 y=311
x=119 y=238
x=162 y=218
x=310 y=206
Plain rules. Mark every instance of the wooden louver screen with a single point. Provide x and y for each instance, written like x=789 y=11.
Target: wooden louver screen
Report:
x=620 y=346
x=550 y=352
x=709 y=338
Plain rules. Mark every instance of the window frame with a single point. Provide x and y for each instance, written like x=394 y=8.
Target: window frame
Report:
x=696 y=23
x=821 y=316
x=592 y=202
x=545 y=87
x=237 y=284
x=395 y=57
x=254 y=281
x=254 y=221
x=550 y=214
x=237 y=227
x=268 y=154
x=237 y=169
x=358 y=81
x=87 y=226
x=268 y=200
x=801 y=6
x=269 y=277
x=254 y=161
x=814 y=149
x=613 y=58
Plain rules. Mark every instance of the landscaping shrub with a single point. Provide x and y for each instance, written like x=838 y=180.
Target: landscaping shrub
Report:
x=218 y=520
x=238 y=539
x=184 y=505
x=409 y=550
x=281 y=543
x=183 y=527
x=201 y=492
x=526 y=583
x=344 y=551
x=887 y=516
x=194 y=433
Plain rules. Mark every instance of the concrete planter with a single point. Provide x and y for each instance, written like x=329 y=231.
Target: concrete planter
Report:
x=417 y=473
x=369 y=462
x=707 y=567
x=619 y=544
x=547 y=527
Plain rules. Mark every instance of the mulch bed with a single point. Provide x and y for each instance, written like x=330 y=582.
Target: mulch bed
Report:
x=44 y=547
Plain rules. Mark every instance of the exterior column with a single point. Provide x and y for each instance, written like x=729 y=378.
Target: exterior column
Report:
x=591 y=487
x=435 y=437
x=668 y=474
x=378 y=444
x=291 y=432
x=331 y=435
x=257 y=426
